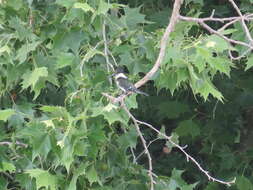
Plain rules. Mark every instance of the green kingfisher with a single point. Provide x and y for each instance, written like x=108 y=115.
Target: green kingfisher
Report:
x=124 y=84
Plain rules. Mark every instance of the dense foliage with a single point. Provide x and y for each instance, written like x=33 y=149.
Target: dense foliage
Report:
x=57 y=131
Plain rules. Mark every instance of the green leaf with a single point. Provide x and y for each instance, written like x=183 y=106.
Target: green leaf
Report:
x=41 y=146
x=162 y=130
x=172 y=53
x=204 y=87
x=65 y=3
x=249 y=63
x=92 y=175
x=84 y=6
x=43 y=178
x=167 y=80
x=116 y=115
x=3 y=183
x=189 y=186
x=5 y=49
x=131 y=102
x=203 y=52
x=221 y=64
x=91 y=53
x=176 y=181
x=111 y=113
x=15 y=4
x=5 y=114
x=228 y=31
x=25 y=49
x=31 y=78
x=104 y=7
x=217 y=43
x=243 y=183
x=172 y=109
x=200 y=62
x=55 y=110
x=174 y=138
x=25 y=181
x=133 y=17
x=128 y=139
x=22 y=31
x=7 y=166
x=67 y=157
x=188 y=127
x=70 y=40
x=38 y=138
x=64 y=59
x=79 y=171
x=212 y=186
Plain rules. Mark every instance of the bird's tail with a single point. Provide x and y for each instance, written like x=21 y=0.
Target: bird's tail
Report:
x=140 y=92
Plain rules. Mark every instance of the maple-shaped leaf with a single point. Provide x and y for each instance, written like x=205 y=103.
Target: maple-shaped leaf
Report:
x=30 y=78
x=25 y=49
x=249 y=63
x=92 y=175
x=5 y=114
x=133 y=17
x=43 y=178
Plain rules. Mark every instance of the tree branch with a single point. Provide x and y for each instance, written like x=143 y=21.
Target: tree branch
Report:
x=164 y=41
x=182 y=149
x=150 y=172
x=244 y=26
x=212 y=31
x=10 y=143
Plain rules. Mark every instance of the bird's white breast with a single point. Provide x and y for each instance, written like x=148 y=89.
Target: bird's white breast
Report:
x=120 y=75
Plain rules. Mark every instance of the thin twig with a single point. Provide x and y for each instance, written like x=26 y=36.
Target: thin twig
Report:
x=163 y=45
x=238 y=57
x=244 y=26
x=131 y=149
x=164 y=41
x=188 y=157
x=108 y=64
x=228 y=24
x=10 y=143
x=83 y=60
x=222 y=20
x=208 y=28
x=147 y=147
x=150 y=170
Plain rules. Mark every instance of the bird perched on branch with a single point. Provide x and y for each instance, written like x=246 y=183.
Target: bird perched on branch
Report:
x=124 y=84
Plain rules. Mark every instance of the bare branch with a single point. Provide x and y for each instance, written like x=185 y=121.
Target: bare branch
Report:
x=164 y=41
x=108 y=64
x=214 y=19
x=228 y=24
x=208 y=28
x=150 y=170
x=238 y=57
x=182 y=149
x=147 y=147
x=246 y=30
x=11 y=143
x=132 y=151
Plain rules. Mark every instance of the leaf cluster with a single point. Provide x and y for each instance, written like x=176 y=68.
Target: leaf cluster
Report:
x=58 y=132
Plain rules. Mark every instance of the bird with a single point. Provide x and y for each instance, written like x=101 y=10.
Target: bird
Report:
x=124 y=84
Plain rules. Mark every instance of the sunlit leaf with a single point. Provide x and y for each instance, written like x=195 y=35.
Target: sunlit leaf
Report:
x=31 y=78
x=43 y=178
x=84 y=6
x=7 y=166
x=249 y=63
x=5 y=114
